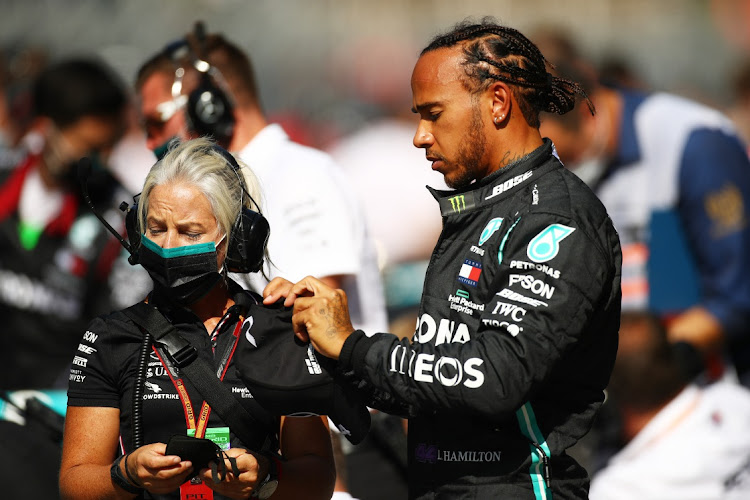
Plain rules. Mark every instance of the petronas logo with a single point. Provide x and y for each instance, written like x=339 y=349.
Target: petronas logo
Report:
x=545 y=245
x=458 y=203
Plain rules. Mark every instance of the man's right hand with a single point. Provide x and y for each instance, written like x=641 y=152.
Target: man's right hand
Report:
x=321 y=315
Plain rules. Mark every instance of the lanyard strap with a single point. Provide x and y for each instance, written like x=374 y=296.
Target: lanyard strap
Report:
x=244 y=422
x=201 y=424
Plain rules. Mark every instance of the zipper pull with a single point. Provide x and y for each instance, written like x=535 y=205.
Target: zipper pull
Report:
x=545 y=463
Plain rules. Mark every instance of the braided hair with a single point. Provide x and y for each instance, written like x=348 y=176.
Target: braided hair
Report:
x=498 y=53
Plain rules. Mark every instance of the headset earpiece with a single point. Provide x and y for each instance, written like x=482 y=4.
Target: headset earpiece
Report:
x=248 y=243
x=250 y=230
x=209 y=110
x=210 y=113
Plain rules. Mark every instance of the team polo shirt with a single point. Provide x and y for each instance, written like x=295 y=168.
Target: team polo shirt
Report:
x=105 y=368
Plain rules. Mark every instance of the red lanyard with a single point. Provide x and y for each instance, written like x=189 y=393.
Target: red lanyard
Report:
x=201 y=423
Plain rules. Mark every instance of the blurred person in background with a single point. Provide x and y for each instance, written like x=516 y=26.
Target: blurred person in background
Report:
x=617 y=70
x=205 y=85
x=382 y=81
x=739 y=110
x=517 y=333
x=380 y=151
x=6 y=124
x=19 y=67
x=675 y=179
x=129 y=162
x=682 y=440
x=54 y=255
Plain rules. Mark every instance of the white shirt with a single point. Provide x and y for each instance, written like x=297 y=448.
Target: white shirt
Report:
x=697 y=447
x=317 y=227
x=342 y=495
x=389 y=175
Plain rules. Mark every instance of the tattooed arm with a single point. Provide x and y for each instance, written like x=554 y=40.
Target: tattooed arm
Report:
x=321 y=315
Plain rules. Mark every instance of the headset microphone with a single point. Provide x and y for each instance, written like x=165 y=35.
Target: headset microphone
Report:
x=84 y=170
x=249 y=231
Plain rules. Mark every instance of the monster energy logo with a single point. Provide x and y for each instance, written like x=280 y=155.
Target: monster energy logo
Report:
x=458 y=203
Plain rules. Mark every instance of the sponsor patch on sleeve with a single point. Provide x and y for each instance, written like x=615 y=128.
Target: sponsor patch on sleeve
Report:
x=545 y=245
x=470 y=272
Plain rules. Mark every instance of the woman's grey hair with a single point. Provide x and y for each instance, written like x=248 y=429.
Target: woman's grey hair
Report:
x=199 y=162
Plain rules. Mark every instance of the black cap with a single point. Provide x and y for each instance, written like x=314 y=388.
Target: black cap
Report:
x=287 y=377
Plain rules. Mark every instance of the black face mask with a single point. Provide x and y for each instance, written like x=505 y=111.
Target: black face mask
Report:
x=182 y=274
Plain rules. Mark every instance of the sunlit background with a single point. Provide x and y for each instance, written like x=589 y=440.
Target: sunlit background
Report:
x=326 y=68
x=328 y=62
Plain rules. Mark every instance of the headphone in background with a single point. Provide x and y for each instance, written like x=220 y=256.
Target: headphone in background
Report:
x=249 y=234
x=209 y=108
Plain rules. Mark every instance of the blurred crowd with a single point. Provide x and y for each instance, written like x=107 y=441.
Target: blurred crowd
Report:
x=676 y=423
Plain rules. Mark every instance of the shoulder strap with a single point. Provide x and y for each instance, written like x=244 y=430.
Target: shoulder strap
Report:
x=185 y=357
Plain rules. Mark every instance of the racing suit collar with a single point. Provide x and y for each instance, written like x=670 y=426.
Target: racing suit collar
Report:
x=498 y=184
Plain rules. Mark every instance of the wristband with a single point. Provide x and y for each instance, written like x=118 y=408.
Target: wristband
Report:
x=119 y=479
x=265 y=488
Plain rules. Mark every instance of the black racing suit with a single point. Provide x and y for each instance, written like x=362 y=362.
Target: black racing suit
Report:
x=515 y=341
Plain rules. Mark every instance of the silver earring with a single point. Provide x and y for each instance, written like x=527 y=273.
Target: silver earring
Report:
x=497 y=120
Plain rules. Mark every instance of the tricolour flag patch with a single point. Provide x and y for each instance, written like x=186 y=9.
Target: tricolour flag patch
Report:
x=470 y=272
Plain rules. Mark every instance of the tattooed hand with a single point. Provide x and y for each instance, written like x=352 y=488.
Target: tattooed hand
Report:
x=321 y=315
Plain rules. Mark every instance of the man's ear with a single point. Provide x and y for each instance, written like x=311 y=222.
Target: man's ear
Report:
x=502 y=102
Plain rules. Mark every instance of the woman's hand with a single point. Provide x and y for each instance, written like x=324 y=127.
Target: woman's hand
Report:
x=91 y=445
x=155 y=471
x=253 y=469
x=277 y=289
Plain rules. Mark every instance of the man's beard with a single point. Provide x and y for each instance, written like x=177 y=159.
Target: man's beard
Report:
x=467 y=166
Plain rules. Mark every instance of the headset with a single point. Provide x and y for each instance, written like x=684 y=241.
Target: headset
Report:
x=250 y=230
x=209 y=108
x=245 y=252
x=249 y=234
